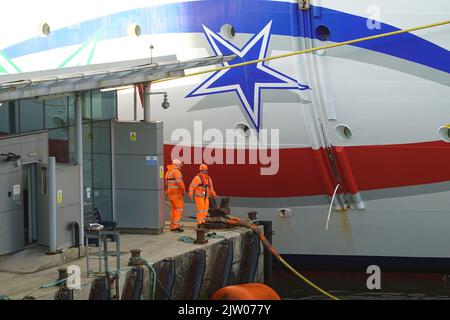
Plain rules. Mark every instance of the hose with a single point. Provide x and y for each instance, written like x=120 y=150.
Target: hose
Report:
x=239 y=222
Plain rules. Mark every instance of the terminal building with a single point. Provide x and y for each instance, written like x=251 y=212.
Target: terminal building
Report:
x=64 y=153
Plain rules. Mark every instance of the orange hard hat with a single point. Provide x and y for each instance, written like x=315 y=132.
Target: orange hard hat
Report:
x=203 y=167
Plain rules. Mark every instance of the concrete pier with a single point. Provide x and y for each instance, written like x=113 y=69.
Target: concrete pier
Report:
x=154 y=249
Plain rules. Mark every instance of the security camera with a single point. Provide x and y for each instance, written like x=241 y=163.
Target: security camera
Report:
x=165 y=104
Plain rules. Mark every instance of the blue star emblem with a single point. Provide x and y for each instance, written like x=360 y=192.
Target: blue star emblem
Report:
x=247 y=81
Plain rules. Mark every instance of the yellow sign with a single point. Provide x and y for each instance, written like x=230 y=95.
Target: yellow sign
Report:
x=161 y=172
x=133 y=136
x=59 y=196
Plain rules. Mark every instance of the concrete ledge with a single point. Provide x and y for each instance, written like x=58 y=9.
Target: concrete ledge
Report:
x=35 y=259
x=154 y=249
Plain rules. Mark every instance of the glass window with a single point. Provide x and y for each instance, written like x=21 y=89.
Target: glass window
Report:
x=103 y=202
x=31 y=115
x=85 y=105
x=101 y=160
x=56 y=113
x=61 y=144
x=104 y=105
x=9 y=117
x=87 y=183
x=101 y=133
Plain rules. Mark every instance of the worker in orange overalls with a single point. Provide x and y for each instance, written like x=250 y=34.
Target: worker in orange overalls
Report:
x=202 y=188
x=175 y=191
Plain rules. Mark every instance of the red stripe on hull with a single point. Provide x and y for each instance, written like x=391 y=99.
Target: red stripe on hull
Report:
x=373 y=167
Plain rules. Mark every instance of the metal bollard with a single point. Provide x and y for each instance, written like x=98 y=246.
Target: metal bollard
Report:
x=252 y=215
x=201 y=236
x=63 y=293
x=137 y=281
x=135 y=259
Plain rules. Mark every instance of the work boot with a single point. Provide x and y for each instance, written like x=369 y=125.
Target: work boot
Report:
x=177 y=230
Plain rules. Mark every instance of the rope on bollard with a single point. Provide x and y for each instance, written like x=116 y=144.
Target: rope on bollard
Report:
x=44 y=286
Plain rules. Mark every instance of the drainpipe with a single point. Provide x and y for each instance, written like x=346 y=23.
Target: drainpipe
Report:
x=52 y=204
x=147 y=86
x=79 y=157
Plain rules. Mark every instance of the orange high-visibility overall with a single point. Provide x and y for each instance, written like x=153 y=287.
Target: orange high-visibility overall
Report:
x=175 y=191
x=202 y=188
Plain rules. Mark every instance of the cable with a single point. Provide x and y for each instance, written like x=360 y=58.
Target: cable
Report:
x=331 y=206
x=239 y=222
x=298 y=274
x=334 y=45
x=47 y=285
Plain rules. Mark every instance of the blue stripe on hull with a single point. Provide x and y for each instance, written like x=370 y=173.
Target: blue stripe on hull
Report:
x=248 y=16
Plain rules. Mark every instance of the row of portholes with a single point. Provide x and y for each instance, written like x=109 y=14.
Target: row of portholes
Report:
x=227 y=31
x=342 y=131
x=133 y=30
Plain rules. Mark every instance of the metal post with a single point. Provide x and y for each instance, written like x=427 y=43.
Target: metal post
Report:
x=79 y=157
x=52 y=204
x=135 y=102
x=147 y=101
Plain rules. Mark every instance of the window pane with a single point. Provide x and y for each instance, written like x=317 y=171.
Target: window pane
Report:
x=104 y=105
x=87 y=183
x=60 y=144
x=9 y=117
x=101 y=132
x=31 y=115
x=103 y=202
x=56 y=113
x=85 y=105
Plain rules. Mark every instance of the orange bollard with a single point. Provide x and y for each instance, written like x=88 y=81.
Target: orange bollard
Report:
x=247 y=291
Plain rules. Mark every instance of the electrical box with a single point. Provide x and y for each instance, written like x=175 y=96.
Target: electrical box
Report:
x=67 y=204
x=138 y=170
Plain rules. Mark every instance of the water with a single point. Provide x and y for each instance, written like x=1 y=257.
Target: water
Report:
x=352 y=286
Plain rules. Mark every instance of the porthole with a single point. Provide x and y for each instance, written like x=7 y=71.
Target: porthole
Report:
x=227 y=31
x=242 y=130
x=444 y=133
x=322 y=33
x=134 y=30
x=44 y=29
x=344 y=132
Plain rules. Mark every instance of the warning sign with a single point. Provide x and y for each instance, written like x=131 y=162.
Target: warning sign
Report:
x=133 y=136
x=161 y=172
x=59 y=196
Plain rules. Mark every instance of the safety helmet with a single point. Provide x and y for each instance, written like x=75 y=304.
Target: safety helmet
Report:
x=203 y=167
x=177 y=162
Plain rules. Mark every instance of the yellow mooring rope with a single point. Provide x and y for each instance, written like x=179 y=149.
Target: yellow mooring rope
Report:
x=235 y=221
x=302 y=277
x=329 y=46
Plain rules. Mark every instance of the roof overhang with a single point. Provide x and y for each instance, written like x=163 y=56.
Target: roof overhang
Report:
x=97 y=76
